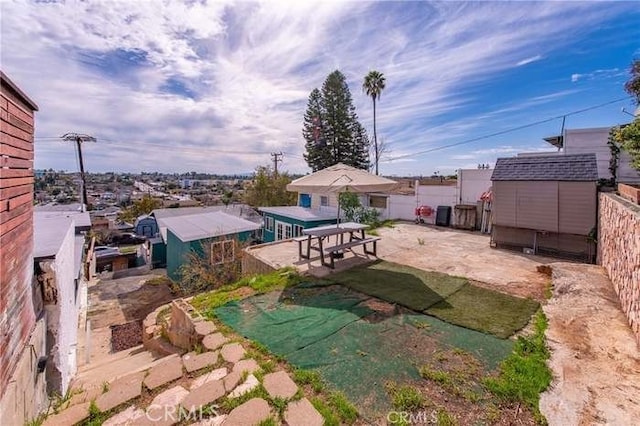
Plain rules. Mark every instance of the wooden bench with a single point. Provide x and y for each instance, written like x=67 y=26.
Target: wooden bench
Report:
x=333 y=250
x=300 y=240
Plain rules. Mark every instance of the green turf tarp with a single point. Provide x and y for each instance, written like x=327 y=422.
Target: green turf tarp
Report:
x=356 y=343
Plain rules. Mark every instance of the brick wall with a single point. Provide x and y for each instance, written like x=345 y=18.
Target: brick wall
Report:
x=619 y=252
x=17 y=317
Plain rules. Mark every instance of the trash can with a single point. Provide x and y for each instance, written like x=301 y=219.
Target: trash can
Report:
x=443 y=215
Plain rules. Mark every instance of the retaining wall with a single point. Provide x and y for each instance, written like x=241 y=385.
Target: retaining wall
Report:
x=619 y=252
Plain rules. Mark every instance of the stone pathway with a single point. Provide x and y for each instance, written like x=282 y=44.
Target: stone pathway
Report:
x=188 y=383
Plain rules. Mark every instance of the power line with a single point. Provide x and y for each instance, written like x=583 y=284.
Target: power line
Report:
x=79 y=139
x=502 y=132
x=277 y=156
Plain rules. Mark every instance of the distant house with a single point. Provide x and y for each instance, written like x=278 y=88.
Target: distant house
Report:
x=546 y=204
x=58 y=255
x=214 y=234
x=146 y=226
x=281 y=223
x=594 y=140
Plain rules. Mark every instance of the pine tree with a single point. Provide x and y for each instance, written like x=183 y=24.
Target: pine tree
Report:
x=331 y=128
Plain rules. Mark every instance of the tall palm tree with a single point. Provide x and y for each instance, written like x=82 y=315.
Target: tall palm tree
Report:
x=373 y=85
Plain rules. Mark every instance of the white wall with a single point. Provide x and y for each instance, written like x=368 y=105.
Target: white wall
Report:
x=62 y=317
x=584 y=141
x=472 y=183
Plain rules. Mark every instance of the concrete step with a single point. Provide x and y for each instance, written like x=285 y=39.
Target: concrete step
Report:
x=112 y=357
x=113 y=370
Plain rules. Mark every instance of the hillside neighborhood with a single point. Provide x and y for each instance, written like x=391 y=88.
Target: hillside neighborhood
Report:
x=492 y=294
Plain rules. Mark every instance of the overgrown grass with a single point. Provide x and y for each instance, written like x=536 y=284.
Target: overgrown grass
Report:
x=308 y=377
x=345 y=410
x=159 y=280
x=445 y=419
x=405 y=397
x=282 y=278
x=330 y=418
x=524 y=374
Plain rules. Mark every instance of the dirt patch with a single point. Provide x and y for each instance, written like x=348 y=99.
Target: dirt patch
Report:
x=594 y=356
x=125 y=336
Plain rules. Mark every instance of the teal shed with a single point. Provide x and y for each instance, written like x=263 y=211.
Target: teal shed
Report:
x=281 y=223
x=190 y=234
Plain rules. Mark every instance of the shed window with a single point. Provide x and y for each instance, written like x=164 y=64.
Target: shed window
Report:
x=268 y=223
x=324 y=201
x=222 y=252
x=378 y=202
x=297 y=230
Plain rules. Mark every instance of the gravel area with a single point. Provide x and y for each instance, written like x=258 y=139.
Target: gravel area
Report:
x=126 y=336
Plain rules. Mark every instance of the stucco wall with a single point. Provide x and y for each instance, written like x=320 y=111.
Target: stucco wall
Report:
x=619 y=252
x=62 y=307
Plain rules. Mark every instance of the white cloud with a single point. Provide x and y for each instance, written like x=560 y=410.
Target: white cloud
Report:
x=529 y=60
x=252 y=66
x=597 y=74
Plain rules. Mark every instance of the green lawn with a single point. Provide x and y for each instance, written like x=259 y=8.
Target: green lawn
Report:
x=452 y=299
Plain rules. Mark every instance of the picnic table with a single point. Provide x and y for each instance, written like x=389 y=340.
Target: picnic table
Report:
x=321 y=233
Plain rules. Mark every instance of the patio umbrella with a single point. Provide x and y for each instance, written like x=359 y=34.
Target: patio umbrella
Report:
x=341 y=178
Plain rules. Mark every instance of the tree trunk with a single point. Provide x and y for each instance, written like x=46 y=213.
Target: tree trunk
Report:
x=375 y=136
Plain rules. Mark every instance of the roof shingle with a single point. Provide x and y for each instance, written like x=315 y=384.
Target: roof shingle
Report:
x=575 y=167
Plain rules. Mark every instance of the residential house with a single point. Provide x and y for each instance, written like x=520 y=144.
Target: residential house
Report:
x=146 y=226
x=546 y=204
x=594 y=140
x=284 y=222
x=22 y=320
x=214 y=233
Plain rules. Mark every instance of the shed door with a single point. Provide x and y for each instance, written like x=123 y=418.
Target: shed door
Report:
x=283 y=230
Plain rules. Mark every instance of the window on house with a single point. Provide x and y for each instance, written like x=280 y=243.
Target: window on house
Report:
x=324 y=201
x=297 y=230
x=378 y=202
x=222 y=252
x=287 y=232
x=268 y=223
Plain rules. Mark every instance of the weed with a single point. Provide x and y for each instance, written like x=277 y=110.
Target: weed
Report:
x=524 y=374
x=267 y=366
x=37 y=421
x=346 y=410
x=96 y=417
x=159 y=280
x=260 y=348
x=308 y=377
x=105 y=387
x=421 y=241
x=229 y=404
x=405 y=397
x=492 y=415
x=362 y=353
x=280 y=404
x=445 y=419
x=373 y=232
x=60 y=402
x=441 y=357
x=443 y=377
x=422 y=325
x=268 y=422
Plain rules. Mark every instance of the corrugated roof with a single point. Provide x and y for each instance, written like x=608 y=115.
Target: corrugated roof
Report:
x=576 y=167
x=207 y=225
x=49 y=233
x=300 y=213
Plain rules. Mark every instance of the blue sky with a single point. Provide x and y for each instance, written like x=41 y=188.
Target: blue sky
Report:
x=216 y=86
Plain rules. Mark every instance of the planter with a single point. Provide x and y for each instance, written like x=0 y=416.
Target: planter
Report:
x=630 y=192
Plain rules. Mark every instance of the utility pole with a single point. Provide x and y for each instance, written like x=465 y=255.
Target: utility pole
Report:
x=78 y=138
x=277 y=156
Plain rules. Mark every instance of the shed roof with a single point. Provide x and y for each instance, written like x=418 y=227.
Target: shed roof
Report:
x=300 y=213
x=81 y=219
x=207 y=225
x=575 y=167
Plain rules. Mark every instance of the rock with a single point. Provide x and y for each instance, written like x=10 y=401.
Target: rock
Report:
x=280 y=385
x=70 y=416
x=302 y=413
x=128 y=417
x=248 y=365
x=203 y=395
x=120 y=391
x=251 y=412
x=171 y=397
x=164 y=373
x=212 y=421
x=203 y=328
x=233 y=352
x=232 y=380
x=193 y=361
x=213 y=341
x=205 y=378
x=249 y=384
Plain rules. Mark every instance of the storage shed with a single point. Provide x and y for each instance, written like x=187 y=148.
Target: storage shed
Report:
x=284 y=222
x=546 y=205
